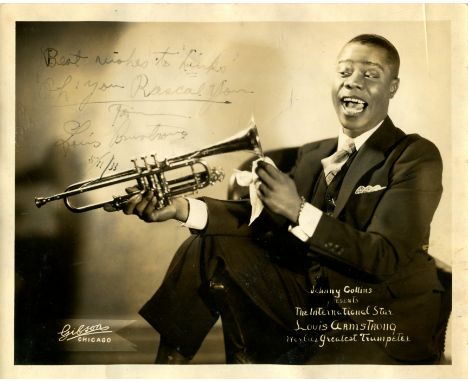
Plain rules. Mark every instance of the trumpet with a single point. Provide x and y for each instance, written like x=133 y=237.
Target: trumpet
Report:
x=152 y=175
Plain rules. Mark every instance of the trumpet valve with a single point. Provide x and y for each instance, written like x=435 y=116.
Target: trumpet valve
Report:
x=155 y=161
x=140 y=182
x=134 y=161
x=145 y=163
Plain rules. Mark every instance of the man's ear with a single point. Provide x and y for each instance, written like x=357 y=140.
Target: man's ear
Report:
x=394 y=86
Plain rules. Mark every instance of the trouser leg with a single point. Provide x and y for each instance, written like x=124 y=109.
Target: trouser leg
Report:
x=250 y=335
x=183 y=310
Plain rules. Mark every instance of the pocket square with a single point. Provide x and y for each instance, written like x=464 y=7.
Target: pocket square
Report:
x=367 y=189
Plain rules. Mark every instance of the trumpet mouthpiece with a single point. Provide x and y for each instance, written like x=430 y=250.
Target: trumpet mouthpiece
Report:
x=40 y=201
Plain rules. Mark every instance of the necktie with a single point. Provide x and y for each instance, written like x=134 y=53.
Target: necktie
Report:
x=332 y=164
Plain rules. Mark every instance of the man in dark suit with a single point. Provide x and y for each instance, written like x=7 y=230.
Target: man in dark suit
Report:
x=337 y=261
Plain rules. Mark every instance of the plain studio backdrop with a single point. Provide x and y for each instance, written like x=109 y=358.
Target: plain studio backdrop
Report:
x=92 y=95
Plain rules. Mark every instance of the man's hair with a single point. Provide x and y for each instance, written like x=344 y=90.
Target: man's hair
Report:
x=381 y=42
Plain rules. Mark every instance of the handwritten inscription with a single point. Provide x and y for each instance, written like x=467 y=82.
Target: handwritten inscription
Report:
x=69 y=88
x=117 y=96
x=125 y=111
x=141 y=87
x=68 y=92
x=80 y=134
x=124 y=129
x=52 y=58
x=96 y=85
x=131 y=60
x=190 y=61
x=193 y=63
x=105 y=162
x=77 y=134
x=155 y=132
x=51 y=88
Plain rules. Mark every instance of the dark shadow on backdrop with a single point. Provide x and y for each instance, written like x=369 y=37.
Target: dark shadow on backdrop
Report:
x=46 y=245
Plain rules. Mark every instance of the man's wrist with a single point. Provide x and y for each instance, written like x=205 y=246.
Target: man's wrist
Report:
x=182 y=207
x=307 y=222
x=300 y=209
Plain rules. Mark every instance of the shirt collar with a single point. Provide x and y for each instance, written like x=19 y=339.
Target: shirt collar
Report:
x=359 y=140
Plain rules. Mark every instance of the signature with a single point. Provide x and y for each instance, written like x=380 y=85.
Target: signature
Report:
x=124 y=131
x=68 y=333
x=157 y=132
x=73 y=129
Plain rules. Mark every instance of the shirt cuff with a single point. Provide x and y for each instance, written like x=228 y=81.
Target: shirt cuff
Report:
x=198 y=214
x=308 y=221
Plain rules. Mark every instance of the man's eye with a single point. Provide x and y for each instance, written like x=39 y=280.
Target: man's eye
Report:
x=371 y=74
x=344 y=73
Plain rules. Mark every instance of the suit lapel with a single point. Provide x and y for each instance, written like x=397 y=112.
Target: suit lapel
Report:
x=369 y=155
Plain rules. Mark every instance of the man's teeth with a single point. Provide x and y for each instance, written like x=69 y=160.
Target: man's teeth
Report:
x=354 y=100
x=353 y=105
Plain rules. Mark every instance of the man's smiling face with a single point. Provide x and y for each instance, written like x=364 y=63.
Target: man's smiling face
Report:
x=365 y=81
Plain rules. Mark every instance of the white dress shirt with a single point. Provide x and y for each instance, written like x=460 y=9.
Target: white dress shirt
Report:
x=309 y=216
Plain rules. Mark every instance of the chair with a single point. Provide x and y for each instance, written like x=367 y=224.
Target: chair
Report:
x=444 y=272
x=236 y=337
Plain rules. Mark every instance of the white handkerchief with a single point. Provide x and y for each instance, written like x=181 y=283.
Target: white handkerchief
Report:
x=249 y=178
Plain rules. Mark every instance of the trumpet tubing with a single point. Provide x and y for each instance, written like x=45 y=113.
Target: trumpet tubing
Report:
x=154 y=175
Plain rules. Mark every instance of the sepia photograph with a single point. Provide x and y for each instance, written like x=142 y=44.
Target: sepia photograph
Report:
x=223 y=185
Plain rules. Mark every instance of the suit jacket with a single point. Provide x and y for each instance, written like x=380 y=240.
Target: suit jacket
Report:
x=375 y=244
